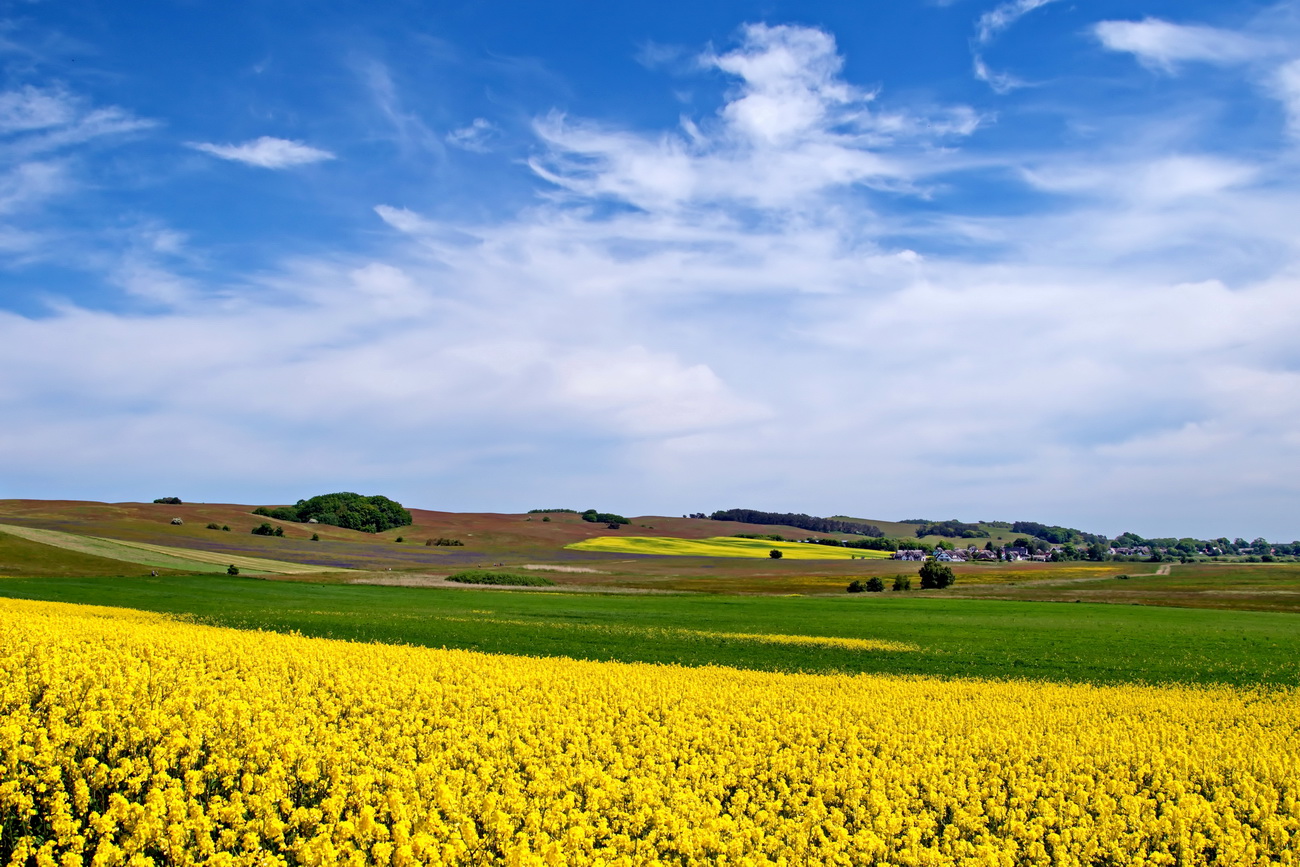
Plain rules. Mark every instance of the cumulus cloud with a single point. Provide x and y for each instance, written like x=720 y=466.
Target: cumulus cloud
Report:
x=1165 y=45
x=267 y=152
x=791 y=128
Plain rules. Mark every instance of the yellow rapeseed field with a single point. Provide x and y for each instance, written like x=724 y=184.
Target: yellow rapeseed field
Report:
x=129 y=738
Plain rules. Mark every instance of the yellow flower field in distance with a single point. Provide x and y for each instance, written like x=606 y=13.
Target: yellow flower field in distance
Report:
x=130 y=738
x=721 y=546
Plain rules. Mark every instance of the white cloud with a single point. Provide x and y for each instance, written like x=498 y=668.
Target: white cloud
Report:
x=267 y=152
x=1001 y=82
x=1164 y=45
x=35 y=121
x=31 y=108
x=791 y=129
x=30 y=183
x=477 y=136
x=1001 y=17
x=1287 y=84
x=990 y=25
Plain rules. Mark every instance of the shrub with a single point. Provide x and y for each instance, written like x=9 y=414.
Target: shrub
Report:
x=265 y=529
x=612 y=526
x=170 y=501
x=512 y=579
x=449 y=543
x=225 y=528
x=775 y=554
x=902 y=582
x=399 y=539
x=936 y=576
x=213 y=525
x=315 y=537
x=856 y=586
x=546 y=519
x=875 y=584
x=1122 y=577
x=232 y=569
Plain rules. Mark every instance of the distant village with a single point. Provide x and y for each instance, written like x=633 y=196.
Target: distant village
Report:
x=1011 y=553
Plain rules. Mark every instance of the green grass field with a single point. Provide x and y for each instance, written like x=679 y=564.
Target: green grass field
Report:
x=721 y=546
x=952 y=637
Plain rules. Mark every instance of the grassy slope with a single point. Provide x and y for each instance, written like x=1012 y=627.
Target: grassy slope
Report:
x=157 y=556
x=1093 y=643
x=24 y=557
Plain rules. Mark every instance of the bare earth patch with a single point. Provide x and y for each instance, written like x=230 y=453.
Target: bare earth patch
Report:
x=546 y=568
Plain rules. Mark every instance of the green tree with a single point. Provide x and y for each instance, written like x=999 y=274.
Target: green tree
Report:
x=875 y=584
x=232 y=569
x=354 y=512
x=775 y=554
x=902 y=582
x=936 y=576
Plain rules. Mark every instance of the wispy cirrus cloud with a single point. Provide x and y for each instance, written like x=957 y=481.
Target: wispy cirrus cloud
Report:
x=477 y=136
x=267 y=152
x=1165 y=45
x=1001 y=17
x=989 y=26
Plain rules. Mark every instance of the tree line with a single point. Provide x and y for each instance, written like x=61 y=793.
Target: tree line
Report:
x=797 y=519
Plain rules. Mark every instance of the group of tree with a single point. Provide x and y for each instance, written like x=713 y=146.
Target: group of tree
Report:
x=1056 y=535
x=351 y=511
x=609 y=519
x=952 y=529
x=797 y=519
x=170 y=501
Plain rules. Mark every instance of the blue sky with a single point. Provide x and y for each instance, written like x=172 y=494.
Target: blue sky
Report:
x=1024 y=260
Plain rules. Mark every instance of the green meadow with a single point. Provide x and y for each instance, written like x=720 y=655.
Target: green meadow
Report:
x=951 y=637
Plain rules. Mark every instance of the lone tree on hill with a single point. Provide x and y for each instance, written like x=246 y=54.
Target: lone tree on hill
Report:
x=936 y=576
x=775 y=554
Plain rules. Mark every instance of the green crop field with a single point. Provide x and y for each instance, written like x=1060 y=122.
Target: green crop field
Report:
x=912 y=633
x=721 y=546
